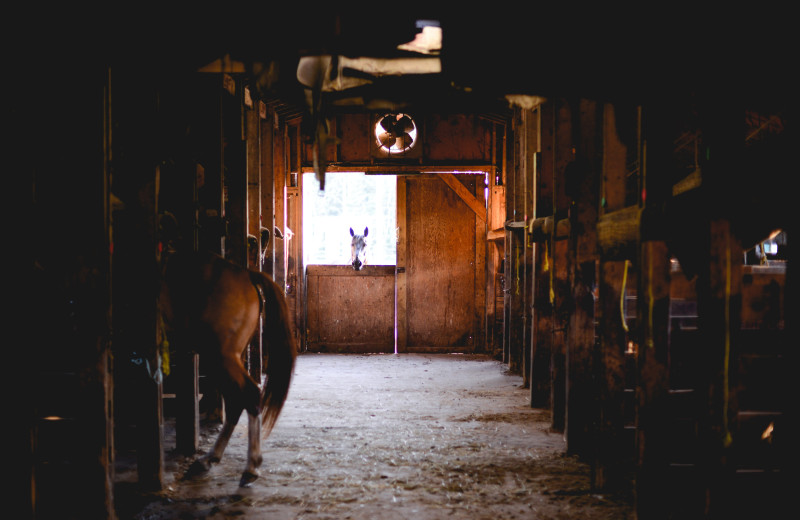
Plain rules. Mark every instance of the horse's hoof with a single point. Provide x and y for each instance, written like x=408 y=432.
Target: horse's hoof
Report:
x=248 y=477
x=198 y=468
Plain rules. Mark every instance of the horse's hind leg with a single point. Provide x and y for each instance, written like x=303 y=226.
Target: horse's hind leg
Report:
x=251 y=397
x=254 y=458
x=233 y=410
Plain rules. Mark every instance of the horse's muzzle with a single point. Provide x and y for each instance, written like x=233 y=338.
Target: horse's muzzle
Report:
x=357 y=264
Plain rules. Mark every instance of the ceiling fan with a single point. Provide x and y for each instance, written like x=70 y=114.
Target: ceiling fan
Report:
x=396 y=132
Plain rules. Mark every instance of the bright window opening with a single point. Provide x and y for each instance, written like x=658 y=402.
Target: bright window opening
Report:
x=350 y=200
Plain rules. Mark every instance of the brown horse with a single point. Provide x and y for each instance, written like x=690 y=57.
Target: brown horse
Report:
x=214 y=306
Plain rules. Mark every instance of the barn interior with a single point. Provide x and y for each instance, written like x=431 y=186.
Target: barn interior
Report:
x=575 y=200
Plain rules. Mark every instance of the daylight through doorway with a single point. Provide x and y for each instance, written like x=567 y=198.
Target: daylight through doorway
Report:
x=350 y=200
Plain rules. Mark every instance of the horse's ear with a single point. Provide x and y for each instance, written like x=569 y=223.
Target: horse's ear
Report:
x=265 y=237
x=351 y=232
x=366 y=231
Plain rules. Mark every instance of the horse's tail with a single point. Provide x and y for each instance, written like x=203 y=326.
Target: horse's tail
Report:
x=279 y=351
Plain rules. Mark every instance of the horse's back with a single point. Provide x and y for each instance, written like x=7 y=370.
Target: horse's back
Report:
x=203 y=291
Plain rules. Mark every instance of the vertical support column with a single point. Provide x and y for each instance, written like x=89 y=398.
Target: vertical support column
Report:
x=401 y=324
x=210 y=181
x=211 y=221
x=187 y=416
x=615 y=448
x=542 y=317
x=480 y=339
x=266 y=167
x=292 y=243
x=515 y=296
x=515 y=251
x=253 y=165
x=652 y=475
x=580 y=180
x=789 y=466
x=508 y=278
x=530 y=146
x=563 y=153
x=279 y=158
x=235 y=174
x=653 y=302
x=719 y=301
x=293 y=240
x=253 y=214
x=136 y=117
x=719 y=309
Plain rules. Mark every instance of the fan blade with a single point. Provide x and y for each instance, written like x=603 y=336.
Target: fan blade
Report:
x=387 y=123
x=387 y=139
x=404 y=124
x=404 y=141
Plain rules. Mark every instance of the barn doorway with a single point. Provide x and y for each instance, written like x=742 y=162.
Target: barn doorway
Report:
x=347 y=310
x=428 y=295
x=350 y=200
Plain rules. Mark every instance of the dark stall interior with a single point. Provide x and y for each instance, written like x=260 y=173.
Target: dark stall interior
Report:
x=599 y=200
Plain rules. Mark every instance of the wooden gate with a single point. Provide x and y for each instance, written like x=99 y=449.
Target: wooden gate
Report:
x=441 y=277
x=350 y=311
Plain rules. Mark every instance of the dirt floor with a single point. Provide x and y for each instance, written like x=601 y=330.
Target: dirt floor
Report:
x=409 y=436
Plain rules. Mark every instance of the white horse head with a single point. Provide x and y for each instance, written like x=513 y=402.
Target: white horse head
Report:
x=358 y=249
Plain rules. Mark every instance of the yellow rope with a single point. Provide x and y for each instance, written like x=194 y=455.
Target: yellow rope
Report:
x=727 y=440
x=164 y=347
x=622 y=296
x=516 y=269
x=546 y=266
x=548 y=269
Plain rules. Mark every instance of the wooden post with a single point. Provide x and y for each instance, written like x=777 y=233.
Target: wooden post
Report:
x=719 y=290
x=563 y=153
x=530 y=147
x=652 y=484
x=266 y=167
x=401 y=322
x=187 y=415
x=234 y=177
x=211 y=218
x=480 y=336
x=134 y=269
x=279 y=158
x=210 y=189
x=542 y=316
x=515 y=296
x=719 y=316
x=150 y=434
x=253 y=225
x=653 y=307
x=580 y=179
x=515 y=251
x=294 y=276
x=614 y=447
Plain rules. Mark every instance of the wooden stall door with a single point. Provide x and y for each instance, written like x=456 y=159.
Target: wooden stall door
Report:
x=442 y=308
x=350 y=311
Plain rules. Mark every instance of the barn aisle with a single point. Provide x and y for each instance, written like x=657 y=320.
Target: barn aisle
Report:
x=409 y=436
